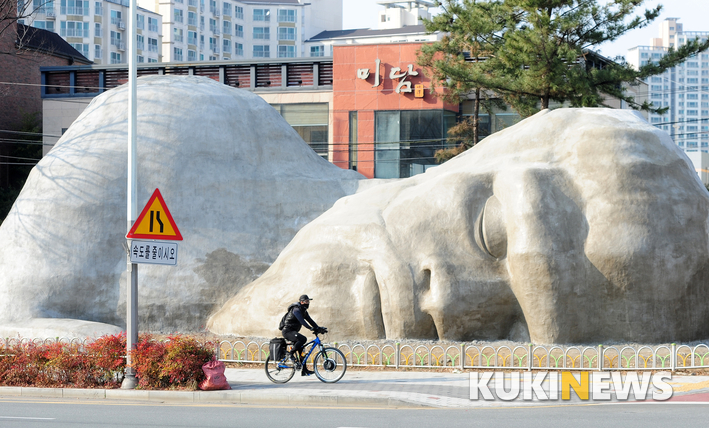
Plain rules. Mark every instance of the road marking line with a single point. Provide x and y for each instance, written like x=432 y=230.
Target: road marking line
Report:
x=27 y=418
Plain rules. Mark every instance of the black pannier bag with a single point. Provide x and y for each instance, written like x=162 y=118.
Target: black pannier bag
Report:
x=277 y=348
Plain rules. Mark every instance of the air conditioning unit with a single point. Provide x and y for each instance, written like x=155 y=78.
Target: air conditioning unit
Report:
x=121 y=46
x=217 y=13
x=121 y=25
x=216 y=32
x=51 y=15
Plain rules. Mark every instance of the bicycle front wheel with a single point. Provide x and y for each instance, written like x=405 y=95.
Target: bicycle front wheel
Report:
x=330 y=365
x=279 y=371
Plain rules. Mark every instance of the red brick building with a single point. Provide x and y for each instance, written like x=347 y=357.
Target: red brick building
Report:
x=386 y=122
x=23 y=50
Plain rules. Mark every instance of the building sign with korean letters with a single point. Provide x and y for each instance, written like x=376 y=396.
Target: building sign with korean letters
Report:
x=395 y=73
x=152 y=252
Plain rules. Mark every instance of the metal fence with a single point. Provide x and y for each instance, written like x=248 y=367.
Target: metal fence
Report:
x=530 y=357
x=468 y=356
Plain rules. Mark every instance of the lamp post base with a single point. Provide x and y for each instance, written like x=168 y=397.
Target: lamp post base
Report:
x=129 y=382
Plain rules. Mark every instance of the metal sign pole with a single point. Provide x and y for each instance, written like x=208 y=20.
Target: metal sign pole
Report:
x=129 y=381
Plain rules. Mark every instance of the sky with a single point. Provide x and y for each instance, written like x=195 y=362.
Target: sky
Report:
x=692 y=13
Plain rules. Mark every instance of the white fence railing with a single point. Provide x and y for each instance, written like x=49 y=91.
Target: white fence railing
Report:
x=466 y=356
x=530 y=357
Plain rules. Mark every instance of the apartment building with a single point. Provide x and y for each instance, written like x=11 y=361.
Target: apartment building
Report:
x=98 y=29
x=399 y=22
x=683 y=89
x=217 y=30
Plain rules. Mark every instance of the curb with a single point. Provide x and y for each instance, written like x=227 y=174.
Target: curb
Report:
x=231 y=397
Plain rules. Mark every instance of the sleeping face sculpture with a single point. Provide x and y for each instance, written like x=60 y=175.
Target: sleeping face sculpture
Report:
x=578 y=225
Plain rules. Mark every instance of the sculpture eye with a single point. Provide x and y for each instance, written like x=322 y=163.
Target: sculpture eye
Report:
x=491 y=230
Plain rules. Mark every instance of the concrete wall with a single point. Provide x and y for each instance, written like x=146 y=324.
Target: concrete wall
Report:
x=58 y=115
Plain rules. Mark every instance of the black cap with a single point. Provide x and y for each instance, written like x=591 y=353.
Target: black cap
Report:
x=304 y=297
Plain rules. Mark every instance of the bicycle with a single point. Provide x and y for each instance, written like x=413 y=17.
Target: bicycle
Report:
x=329 y=363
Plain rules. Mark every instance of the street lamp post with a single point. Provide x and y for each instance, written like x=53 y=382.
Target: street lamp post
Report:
x=129 y=381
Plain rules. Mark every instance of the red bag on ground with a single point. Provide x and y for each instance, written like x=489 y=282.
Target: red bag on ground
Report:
x=214 y=370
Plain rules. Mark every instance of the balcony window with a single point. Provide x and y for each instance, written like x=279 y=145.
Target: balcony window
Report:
x=262 y=51
x=317 y=51
x=262 y=33
x=262 y=15
x=286 y=33
x=286 y=51
x=285 y=15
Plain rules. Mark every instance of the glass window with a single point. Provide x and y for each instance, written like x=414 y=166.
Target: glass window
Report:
x=177 y=54
x=262 y=14
x=178 y=16
x=192 y=19
x=152 y=24
x=226 y=9
x=310 y=121
x=261 y=51
x=191 y=56
x=286 y=33
x=286 y=51
x=140 y=21
x=285 y=15
x=239 y=12
x=226 y=27
x=238 y=49
x=353 y=140
x=226 y=45
x=262 y=33
x=239 y=30
x=317 y=50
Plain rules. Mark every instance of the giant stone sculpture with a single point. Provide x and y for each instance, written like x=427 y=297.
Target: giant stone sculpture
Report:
x=583 y=225
x=238 y=180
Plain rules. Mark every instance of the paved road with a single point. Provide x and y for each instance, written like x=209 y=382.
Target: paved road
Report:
x=390 y=389
x=43 y=413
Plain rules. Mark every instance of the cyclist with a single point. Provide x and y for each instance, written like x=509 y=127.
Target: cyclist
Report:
x=297 y=317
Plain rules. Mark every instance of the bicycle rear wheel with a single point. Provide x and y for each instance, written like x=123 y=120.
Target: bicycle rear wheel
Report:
x=330 y=365
x=279 y=371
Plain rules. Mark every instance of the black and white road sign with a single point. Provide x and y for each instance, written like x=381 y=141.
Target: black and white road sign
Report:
x=151 y=252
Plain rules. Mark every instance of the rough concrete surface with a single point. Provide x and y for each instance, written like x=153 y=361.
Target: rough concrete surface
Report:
x=574 y=226
x=238 y=180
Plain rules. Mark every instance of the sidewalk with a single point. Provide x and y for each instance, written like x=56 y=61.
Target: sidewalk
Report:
x=357 y=388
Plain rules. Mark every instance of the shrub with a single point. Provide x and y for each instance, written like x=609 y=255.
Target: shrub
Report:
x=176 y=363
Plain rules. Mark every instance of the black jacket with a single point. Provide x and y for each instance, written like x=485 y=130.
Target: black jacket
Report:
x=297 y=317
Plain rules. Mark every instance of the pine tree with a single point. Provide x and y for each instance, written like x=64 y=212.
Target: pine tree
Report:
x=541 y=51
x=458 y=64
x=545 y=54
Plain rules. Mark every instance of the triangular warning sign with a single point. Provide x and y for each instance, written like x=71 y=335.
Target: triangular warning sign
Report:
x=155 y=221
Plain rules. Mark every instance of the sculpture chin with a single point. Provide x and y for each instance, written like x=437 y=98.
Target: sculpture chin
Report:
x=576 y=225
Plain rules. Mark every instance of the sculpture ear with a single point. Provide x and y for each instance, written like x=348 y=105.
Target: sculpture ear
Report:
x=490 y=229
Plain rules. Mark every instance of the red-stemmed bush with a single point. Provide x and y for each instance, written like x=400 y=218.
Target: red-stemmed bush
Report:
x=175 y=363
